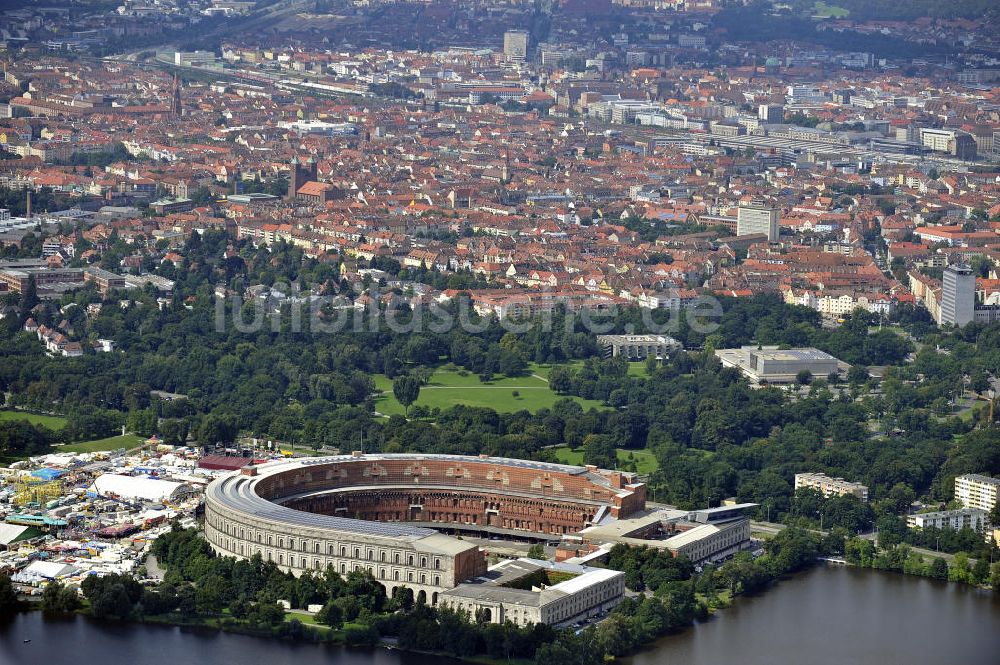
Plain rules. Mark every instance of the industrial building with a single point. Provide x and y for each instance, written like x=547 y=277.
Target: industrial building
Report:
x=769 y=364
x=708 y=535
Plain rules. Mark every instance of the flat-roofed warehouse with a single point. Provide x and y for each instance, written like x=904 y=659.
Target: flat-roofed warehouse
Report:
x=770 y=364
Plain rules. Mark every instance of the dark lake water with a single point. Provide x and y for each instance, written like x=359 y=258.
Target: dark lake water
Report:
x=844 y=616
x=835 y=616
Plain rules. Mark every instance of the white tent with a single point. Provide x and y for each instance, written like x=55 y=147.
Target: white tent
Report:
x=44 y=570
x=141 y=488
x=10 y=533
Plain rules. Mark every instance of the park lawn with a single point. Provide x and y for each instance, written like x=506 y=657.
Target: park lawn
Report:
x=823 y=10
x=307 y=619
x=52 y=422
x=449 y=387
x=111 y=443
x=566 y=455
x=645 y=461
x=543 y=369
x=638 y=369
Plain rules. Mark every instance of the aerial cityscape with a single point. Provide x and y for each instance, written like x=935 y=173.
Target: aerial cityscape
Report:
x=550 y=333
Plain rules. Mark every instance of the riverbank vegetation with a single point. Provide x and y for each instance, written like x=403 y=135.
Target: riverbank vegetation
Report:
x=202 y=589
x=901 y=558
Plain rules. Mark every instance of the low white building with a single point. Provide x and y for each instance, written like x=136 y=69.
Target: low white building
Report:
x=769 y=364
x=138 y=488
x=526 y=591
x=638 y=347
x=710 y=542
x=971 y=518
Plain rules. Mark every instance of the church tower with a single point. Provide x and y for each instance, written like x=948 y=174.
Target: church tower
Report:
x=293 y=179
x=300 y=174
x=175 y=102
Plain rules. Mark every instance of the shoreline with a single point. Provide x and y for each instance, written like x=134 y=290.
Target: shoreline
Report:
x=319 y=634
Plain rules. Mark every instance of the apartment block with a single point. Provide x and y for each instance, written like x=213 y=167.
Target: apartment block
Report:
x=971 y=518
x=975 y=491
x=831 y=486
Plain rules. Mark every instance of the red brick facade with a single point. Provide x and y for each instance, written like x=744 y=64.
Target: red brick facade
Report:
x=537 y=498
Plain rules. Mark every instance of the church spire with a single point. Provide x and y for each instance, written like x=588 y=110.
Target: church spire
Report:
x=175 y=102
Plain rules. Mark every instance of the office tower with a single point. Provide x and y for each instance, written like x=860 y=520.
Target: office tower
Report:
x=771 y=114
x=515 y=45
x=958 y=296
x=758 y=218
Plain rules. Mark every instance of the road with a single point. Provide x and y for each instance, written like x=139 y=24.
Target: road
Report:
x=153 y=568
x=922 y=550
x=771 y=528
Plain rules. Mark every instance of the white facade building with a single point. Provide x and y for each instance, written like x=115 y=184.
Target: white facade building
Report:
x=758 y=219
x=971 y=518
x=517 y=591
x=976 y=491
x=773 y=365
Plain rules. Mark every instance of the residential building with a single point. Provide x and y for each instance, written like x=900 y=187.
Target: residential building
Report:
x=771 y=114
x=976 y=491
x=963 y=518
x=831 y=486
x=954 y=142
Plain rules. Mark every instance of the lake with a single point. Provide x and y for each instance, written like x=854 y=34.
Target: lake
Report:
x=839 y=615
x=830 y=615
